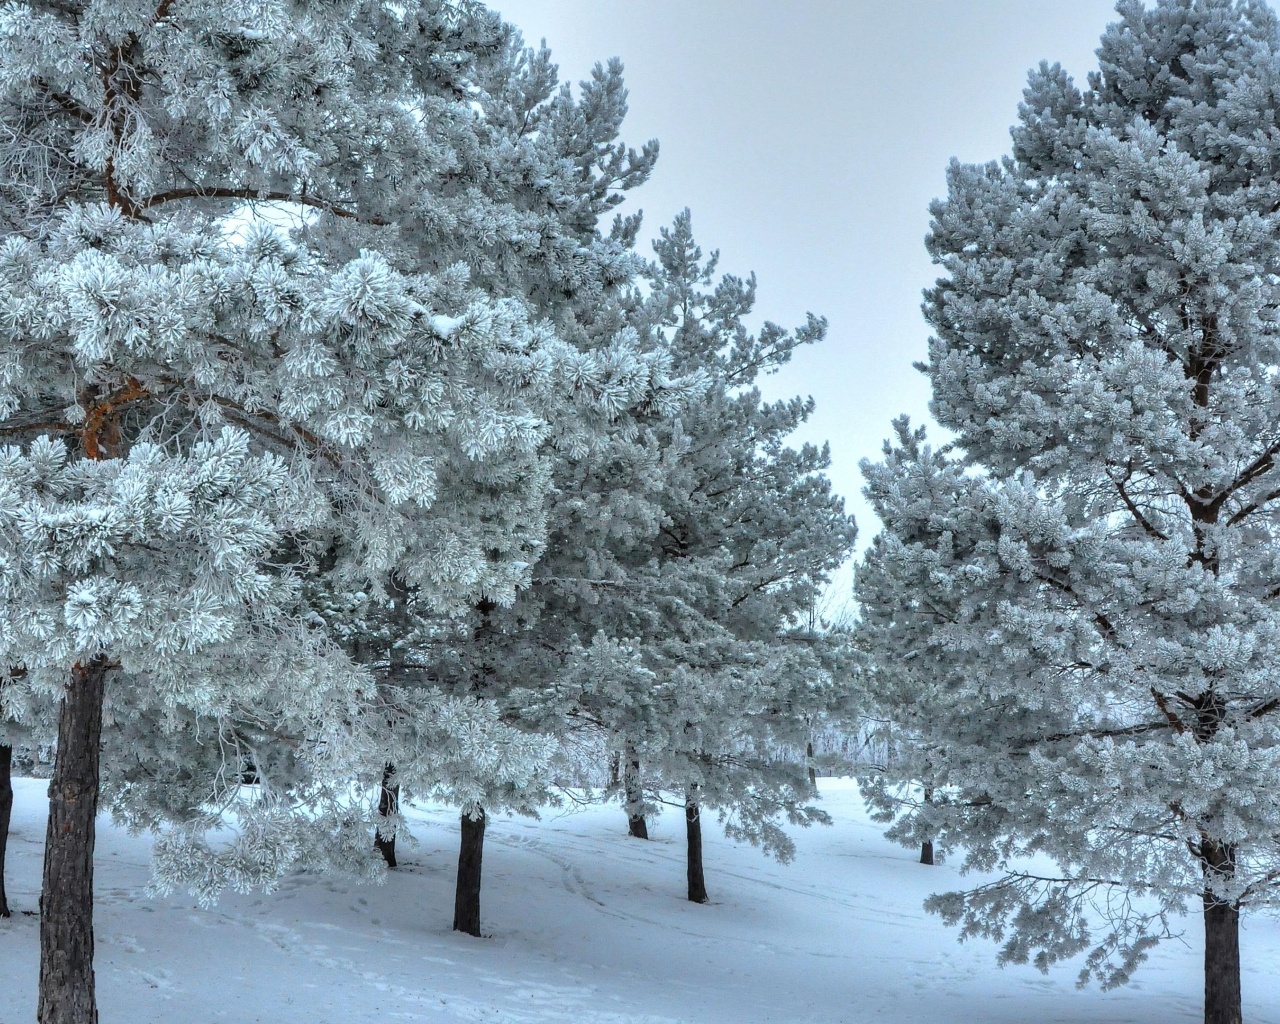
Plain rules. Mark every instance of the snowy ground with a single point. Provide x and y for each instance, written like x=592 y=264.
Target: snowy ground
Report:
x=585 y=925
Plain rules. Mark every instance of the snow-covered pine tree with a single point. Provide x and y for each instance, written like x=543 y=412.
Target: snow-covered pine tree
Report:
x=742 y=497
x=203 y=405
x=1092 y=610
x=559 y=154
x=694 y=660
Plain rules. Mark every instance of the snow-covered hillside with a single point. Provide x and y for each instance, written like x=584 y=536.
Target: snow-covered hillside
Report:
x=584 y=925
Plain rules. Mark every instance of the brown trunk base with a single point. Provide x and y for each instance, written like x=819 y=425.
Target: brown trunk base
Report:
x=66 y=900
x=466 y=902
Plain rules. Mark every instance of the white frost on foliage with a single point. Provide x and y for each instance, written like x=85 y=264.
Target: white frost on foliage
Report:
x=1075 y=626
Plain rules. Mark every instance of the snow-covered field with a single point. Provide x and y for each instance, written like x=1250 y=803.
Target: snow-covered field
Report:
x=584 y=925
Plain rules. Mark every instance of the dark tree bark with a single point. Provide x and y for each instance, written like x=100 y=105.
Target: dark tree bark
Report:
x=6 y=811
x=398 y=674
x=926 y=848
x=1221 y=943
x=466 y=901
x=388 y=805
x=634 y=793
x=813 y=772
x=66 y=898
x=1221 y=962
x=693 y=829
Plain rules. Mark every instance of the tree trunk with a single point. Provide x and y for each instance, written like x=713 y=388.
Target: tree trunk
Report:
x=388 y=806
x=466 y=901
x=6 y=810
x=1221 y=962
x=634 y=793
x=926 y=848
x=813 y=772
x=66 y=899
x=693 y=829
x=1221 y=941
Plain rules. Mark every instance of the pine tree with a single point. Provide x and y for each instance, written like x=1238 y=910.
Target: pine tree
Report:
x=1081 y=600
x=694 y=661
x=766 y=512
x=205 y=413
x=570 y=172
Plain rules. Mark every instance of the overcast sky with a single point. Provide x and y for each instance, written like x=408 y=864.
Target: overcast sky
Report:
x=808 y=137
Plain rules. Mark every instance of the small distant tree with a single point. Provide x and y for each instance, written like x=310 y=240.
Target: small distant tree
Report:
x=1082 y=598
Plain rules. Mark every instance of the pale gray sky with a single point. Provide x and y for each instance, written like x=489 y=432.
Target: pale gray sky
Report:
x=808 y=137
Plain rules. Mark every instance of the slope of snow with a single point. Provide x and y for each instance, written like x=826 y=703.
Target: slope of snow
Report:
x=586 y=926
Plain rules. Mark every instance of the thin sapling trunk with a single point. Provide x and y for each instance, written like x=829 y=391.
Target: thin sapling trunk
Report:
x=926 y=847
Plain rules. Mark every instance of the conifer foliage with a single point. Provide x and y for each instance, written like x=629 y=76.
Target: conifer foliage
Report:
x=695 y=662
x=202 y=411
x=751 y=533
x=1078 y=603
x=345 y=458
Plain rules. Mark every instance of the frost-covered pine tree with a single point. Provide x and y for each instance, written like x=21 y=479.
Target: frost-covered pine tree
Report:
x=198 y=406
x=1083 y=606
x=558 y=152
x=762 y=530
x=713 y=542
x=456 y=720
